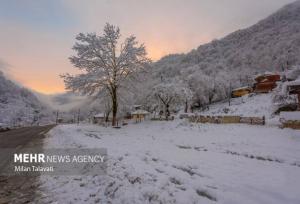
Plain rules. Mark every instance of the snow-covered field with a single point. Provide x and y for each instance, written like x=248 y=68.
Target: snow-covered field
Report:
x=178 y=162
x=249 y=105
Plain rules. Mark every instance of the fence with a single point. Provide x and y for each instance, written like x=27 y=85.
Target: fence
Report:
x=227 y=119
x=291 y=124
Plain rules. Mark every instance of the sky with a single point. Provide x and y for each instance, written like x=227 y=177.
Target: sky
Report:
x=36 y=36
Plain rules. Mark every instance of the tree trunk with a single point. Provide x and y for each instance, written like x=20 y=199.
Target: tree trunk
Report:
x=107 y=116
x=167 y=112
x=114 y=107
x=186 y=106
x=210 y=99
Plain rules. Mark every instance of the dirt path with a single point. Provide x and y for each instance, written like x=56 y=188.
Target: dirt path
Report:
x=21 y=189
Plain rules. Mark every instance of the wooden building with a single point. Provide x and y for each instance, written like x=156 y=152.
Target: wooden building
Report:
x=267 y=77
x=139 y=115
x=239 y=92
x=293 y=88
x=266 y=83
x=99 y=118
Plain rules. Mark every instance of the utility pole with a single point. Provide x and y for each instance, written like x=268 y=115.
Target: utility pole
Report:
x=38 y=120
x=78 y=116
x=74 y=118
x=56 y=121
x=229 y=98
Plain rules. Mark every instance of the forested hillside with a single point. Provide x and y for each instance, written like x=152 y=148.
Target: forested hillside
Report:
x=19 y=106
x=272 y=44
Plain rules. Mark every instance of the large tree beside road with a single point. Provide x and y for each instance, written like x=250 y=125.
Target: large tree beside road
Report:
x=106 y=64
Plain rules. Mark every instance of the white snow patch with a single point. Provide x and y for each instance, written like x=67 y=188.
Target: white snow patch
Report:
x=290 y=115
x=253 y=105
x=179 y=162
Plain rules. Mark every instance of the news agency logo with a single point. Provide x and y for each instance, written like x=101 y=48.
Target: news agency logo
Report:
x=54 y=162
x=42 y=158
x=29 y=158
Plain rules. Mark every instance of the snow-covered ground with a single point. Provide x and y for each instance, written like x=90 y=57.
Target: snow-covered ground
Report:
x=249 y=105
x=179 y=162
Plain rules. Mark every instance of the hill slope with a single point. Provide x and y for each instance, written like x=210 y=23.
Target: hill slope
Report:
x=272 y=44
x=250 y=105
x=18 y=106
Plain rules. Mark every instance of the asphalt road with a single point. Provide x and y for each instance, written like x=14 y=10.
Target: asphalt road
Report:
x=21 y=189
x=21 y=137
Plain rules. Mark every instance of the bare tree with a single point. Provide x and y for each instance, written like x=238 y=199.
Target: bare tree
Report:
x=171 y=94
x=106 y=64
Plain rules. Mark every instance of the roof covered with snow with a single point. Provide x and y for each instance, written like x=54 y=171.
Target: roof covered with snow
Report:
x=290 y=115
x=99 y=115
x=3 y=124
x=140 y=112
x=267 y=73
x=293 y=83
x=293 y=73
x=241 y=88
x=286 y=85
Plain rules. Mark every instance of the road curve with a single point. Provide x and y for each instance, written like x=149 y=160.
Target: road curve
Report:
x=21 y=189
x=22 y=136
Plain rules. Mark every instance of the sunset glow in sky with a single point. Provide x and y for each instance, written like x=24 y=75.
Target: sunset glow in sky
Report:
x=37 y=36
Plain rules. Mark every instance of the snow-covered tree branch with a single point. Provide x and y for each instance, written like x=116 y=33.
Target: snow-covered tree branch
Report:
x=105 y=63
x=171 y=94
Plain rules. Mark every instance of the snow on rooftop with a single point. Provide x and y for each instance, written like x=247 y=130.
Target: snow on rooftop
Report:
x=267 y=73
x=293 y=83
x=3 y=124
x=139 y=112
x=293 y=73
x=290 y=115
x=285 y=85
x=99 y=115
x=240 y=88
